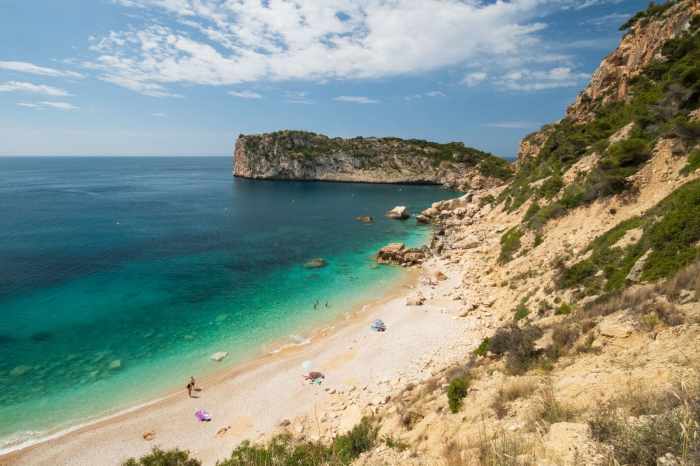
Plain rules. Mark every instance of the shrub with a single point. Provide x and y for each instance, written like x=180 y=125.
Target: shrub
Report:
x=284 y=450
x=564 y=309
x=483 y=347
x=628 y=152
x=158 y=457
x=518 y=346
x=510 y=244
x=456 y=392
x=521 y=312
x=693 y=162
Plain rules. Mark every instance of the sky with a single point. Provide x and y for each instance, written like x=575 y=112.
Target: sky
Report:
x=186 y=77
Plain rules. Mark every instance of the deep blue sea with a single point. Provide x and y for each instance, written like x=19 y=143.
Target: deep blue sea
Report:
x=119 y=276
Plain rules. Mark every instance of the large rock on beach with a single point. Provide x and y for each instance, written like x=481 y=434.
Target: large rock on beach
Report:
x=399 y=254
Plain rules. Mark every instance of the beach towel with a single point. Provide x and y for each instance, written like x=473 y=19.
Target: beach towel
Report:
x=202 y=416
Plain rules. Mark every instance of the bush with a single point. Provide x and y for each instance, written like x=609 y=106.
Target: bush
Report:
x=158 y=457
x=563 y=310
x=521 y=312
x=693 y=162
x=483 y=347
x=284 y=450
x=456 y=392
x=510 y=244
x=628 y=152
x=518 y=346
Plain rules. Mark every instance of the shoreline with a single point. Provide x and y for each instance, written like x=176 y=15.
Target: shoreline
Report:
x=275 y=352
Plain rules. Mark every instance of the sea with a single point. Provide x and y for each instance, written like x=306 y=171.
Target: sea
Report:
x=120 y=276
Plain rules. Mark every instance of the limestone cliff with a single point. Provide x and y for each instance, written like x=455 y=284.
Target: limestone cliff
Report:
x=299 y=155
x=646 y=34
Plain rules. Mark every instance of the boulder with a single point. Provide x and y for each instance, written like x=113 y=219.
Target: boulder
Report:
x=398 y=254
x=416 y=299
x=635 y=274
x=219 y=356
x=422 y=219
x=364 y=219
x=316 y=263
x=398 y=213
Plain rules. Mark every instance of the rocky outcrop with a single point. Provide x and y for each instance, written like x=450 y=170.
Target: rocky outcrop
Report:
x=532 y=144
x=298 y=155
x=641 y=45
x=399 y=254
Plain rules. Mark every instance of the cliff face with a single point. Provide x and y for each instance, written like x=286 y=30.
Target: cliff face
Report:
x=646 y=35
x=298 y=155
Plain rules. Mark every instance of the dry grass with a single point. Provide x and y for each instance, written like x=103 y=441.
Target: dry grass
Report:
x=515 y=389
x=641 y=426
x=686 y=279
x=549 y=410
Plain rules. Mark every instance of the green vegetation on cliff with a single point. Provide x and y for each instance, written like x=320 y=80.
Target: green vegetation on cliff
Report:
x=368 y=151
x=661 y=99
x=669 y=238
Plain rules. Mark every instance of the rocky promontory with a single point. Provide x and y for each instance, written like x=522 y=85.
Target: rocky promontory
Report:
x=299 y=155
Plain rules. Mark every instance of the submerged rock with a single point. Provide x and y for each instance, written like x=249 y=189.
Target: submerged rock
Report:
x=316 y=263
x=20 y=370
x=364 y=219
x=116 y=364
x=219 y=356
x=398 y=213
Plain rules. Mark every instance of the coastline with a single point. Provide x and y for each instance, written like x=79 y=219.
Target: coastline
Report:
x=122 y=432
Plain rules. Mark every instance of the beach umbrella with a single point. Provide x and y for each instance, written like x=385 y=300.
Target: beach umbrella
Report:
x=307 y=365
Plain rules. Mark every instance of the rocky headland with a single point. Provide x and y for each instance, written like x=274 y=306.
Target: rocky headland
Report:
x=300 y=155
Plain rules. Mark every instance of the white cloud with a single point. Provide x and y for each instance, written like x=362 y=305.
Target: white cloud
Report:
x=537 y=80
x=225 y=42
x=474 y=79
x=245 y=94
x=48 y=104
x=513 y=125
x=607 y=20
x=159 y=115
x=59 y=105
x=20 y=86
x=355 y=99
x=425 y=94
x=30 y=68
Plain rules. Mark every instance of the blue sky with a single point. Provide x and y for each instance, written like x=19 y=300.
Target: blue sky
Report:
x=185 y=77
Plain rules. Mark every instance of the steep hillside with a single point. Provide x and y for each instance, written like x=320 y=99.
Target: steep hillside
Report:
x=576 y=284
x=298 y=155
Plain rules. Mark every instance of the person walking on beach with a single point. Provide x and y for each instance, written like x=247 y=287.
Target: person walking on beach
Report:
x=190 y=386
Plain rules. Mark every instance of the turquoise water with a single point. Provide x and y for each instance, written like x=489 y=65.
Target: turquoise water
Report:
x=120 y=276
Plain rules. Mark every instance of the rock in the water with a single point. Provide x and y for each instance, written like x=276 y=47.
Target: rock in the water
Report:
x=316 y=263
x=420 y=218
x=398 y=254
x=364 y=219
x=20 y=370
x=398 y=213
x=116 y=364
x=219 y=356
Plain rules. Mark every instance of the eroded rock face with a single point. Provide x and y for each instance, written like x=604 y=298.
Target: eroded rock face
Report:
x=532 y=144
x=298 y=155
x=398 y=213
x=638 y=49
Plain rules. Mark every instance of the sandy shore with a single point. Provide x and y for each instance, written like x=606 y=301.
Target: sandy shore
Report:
x=362 y=368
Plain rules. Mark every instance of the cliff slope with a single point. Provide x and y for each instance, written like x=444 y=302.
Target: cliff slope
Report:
x=299 y=155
